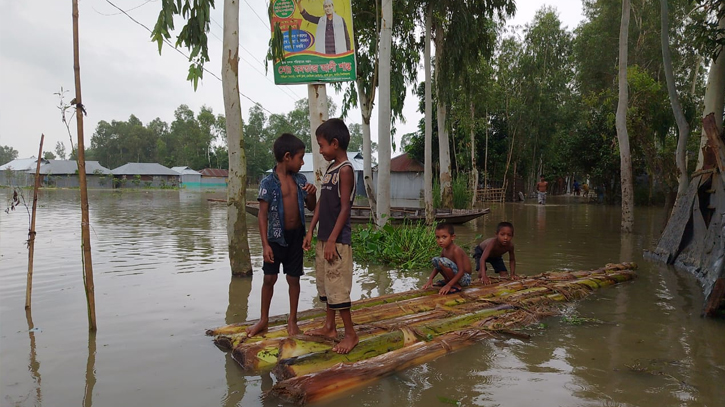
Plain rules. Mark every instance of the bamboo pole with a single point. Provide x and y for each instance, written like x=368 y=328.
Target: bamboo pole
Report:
x=85 y=222
x=31 y=231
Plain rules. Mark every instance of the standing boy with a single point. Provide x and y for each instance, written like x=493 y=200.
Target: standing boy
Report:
x=282 y=197
x=333 y=262
x=492 y=250
x=454 y=264
x=541 y=189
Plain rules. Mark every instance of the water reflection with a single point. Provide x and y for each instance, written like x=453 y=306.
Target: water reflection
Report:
x=90 y=370
x=34 y=364
x=237 y=311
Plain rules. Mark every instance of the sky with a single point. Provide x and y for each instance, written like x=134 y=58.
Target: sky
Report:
x=122 y=72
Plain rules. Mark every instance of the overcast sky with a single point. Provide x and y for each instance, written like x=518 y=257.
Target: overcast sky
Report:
x=123 y=74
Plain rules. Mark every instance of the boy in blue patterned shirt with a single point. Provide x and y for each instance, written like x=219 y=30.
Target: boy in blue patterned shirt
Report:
x=282 y=197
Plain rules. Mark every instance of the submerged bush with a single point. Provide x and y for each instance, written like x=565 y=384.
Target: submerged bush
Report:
x=404 y=247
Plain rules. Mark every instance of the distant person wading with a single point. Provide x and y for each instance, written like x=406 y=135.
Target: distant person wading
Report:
x=331 y=36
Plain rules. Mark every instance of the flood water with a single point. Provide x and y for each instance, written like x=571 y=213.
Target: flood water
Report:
x=162 y=278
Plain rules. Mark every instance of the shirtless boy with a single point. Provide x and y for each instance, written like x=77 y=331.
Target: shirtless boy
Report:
x=282 y=197
x=492 y=250
x=453 y=264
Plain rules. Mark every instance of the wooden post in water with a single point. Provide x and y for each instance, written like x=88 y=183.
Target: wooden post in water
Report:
x=31 y=231
x=85 y=223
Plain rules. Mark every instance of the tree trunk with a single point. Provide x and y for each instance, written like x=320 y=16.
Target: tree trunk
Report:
x=444 y=153
x=239 y=257
x=317 y=97
x=428 y=148
x=714 y=93
x=366 y=110
x=384 y=145
x=85 y=222
x=474 y=170
x=621 y=125
x=682 y=125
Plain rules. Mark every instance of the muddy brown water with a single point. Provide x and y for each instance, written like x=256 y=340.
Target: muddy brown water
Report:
x=162 y=278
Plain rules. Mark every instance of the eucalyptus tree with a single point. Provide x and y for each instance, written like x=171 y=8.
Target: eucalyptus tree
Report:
x=459 y=42
x=682 y=125
x=404 y=58
x=193 y=36
x=384 y=142
x=621 y=124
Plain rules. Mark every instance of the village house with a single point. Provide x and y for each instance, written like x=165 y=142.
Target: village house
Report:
x=189 y=177
x=54 y=173
x=139 y=175
x=214 y=178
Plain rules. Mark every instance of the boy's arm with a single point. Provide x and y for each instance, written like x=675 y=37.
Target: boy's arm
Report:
x=311 y=198
x=429 y=283
x=482 y=266
x=464 y=266
x=346 y=182
x=262 y=217
x=307 y=242
x=512 y=262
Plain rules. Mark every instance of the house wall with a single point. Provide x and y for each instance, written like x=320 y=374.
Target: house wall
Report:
x=146 y=181
x=191 y=180
x=9 y=178
x=72 y=181
x=213 y=182
x=403 y=185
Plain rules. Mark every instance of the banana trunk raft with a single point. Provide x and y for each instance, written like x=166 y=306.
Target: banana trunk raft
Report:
x=405 y=329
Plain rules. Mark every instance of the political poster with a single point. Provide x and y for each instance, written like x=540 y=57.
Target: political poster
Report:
x=318 y=41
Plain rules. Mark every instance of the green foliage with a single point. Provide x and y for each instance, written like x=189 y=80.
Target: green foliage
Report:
x=7 y=154
x=48 y=155
x=405 y=247
x=197 y=15
x=462 y=194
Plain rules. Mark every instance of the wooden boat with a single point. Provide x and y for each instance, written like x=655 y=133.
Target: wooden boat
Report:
x=401 y=330
x=361 y=214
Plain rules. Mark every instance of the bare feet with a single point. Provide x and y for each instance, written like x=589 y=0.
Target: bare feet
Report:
x=346 y=344
x=324 y=331
x=292 y=328
x=259 y=327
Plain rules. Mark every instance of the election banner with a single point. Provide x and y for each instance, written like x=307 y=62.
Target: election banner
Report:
x=318 y=41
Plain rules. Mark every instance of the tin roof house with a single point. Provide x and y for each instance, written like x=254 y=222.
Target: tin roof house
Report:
x=406 y=178
x=64 y=174
x=189 y=177
x=214 y=178
x=16 y=172
x=139 y=175
x=54 y=173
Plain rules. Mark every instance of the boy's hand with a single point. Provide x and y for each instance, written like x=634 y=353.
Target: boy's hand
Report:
x=330 y=252
x=268 y=254
x=444 y=290
x=484 y=279
x=310 y=188
x=307 y=242
x=427 y=285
